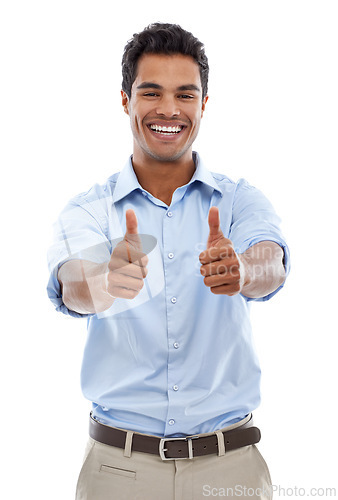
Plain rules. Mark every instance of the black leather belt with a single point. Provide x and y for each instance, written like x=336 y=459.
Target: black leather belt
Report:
x=176 y=448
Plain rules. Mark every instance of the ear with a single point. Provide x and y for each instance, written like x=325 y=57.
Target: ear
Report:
x=125 y=102
x=203 y=104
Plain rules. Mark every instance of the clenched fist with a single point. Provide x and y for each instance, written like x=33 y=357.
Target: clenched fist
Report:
x=223 y=271
x=127 y=266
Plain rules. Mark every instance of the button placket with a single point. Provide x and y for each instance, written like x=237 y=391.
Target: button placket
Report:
x=170 y=268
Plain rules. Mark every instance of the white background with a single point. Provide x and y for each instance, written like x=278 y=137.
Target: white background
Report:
x=271 y=118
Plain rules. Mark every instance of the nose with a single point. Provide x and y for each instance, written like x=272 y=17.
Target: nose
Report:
x=168 y=106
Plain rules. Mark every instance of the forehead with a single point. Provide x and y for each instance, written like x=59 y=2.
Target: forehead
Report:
x=172 y=70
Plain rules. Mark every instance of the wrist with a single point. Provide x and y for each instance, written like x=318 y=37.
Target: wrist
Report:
x=245 y=272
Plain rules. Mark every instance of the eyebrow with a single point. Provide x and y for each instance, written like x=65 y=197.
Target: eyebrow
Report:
x=152 y=85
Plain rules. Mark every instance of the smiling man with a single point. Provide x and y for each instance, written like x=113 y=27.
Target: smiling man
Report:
x=163 y=260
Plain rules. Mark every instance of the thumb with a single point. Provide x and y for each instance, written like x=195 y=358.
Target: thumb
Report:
x=132 y=235
x=131 y=222
x=215 y=233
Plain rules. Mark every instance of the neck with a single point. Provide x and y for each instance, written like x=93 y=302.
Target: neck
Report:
x=161 y=178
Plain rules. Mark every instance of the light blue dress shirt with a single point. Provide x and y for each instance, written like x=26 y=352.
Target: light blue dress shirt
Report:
x=177 y=359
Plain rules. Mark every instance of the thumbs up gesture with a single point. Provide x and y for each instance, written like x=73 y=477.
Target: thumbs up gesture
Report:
x=127 y=267
x=223 y=271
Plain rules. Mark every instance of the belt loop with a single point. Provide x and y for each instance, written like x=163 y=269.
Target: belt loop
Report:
x=221 y=446
x=128 y=443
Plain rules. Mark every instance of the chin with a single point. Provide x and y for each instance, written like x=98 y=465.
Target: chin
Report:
x=167 y=157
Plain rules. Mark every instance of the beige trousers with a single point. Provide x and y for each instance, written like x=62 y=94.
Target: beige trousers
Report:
x=110 y=473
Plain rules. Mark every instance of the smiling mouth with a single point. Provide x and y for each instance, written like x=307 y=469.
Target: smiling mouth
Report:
x=166 y=130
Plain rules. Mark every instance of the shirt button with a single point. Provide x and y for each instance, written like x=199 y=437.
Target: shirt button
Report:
x=175 y=387
x=174 y=300
x=171 y=421
x=170 y=214
x=170 y=255
x=176 y=345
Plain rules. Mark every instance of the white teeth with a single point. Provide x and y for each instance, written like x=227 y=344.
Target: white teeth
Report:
x=166 y=130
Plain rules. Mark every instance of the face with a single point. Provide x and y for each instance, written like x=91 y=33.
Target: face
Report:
x=165 y=107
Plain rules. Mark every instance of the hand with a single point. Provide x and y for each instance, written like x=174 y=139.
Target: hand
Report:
x=222 y=268
x=127 y=266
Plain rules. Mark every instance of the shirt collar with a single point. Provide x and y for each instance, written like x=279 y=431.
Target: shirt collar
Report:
x=202 y=174
x=128 y=182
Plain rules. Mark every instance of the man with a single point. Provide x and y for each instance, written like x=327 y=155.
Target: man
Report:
x=164 y=260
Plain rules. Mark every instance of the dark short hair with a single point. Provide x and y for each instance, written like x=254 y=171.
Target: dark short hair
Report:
x=161 y=38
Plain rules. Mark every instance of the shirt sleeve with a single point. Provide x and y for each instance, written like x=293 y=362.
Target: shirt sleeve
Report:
x=254 y=220
x=79 y=233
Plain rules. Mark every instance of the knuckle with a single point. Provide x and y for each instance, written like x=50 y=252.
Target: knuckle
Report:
x=115 y=291
x=201 y=257
x=144 y=259
x=214 y=252
x=127 y=293
x=224 y=253
x=235 y=288
x=113 y=279
x=221 y=269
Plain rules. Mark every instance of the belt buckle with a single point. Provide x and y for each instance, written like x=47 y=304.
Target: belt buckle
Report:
x=162 y=449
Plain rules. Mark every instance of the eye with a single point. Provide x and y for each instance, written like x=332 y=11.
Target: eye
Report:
x=185 y=96
x=150 y=94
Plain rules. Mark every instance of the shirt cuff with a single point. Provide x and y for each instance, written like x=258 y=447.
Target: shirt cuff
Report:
x=55 y=295
x=286 y=263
